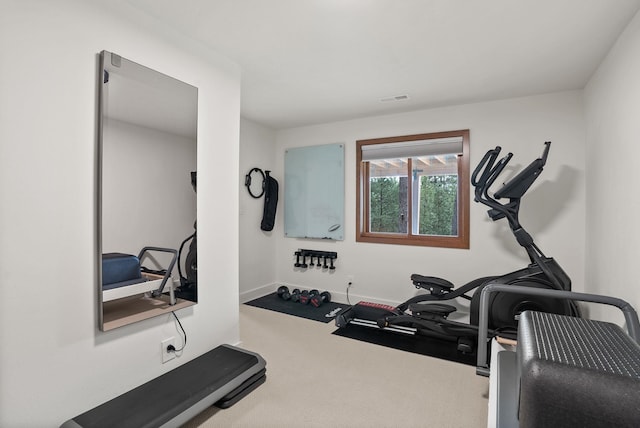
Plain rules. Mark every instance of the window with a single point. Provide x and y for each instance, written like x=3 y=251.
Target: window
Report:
x=414 y=190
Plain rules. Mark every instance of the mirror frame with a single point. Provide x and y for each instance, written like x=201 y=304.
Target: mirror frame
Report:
x=128 y=310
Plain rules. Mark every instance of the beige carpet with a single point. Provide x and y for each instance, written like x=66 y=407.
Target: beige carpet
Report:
x=316 y=379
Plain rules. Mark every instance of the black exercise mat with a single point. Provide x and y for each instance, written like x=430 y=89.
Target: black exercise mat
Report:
x=423 y=345
x=325 y=313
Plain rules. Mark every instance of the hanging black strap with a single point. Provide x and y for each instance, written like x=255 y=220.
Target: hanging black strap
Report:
x=270 y=203
x=247 y=182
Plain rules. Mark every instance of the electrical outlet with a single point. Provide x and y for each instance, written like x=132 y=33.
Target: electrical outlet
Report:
x=167 y=355
x=350 y=279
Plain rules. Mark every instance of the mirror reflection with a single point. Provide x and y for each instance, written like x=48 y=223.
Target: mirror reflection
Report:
x=147 y=192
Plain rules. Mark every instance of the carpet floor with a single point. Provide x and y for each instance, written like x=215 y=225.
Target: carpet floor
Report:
x=318 y=379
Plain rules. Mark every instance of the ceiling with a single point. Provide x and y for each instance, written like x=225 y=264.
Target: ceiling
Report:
x=315 y=61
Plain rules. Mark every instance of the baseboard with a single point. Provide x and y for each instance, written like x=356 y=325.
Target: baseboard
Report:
x=247 y=296
x=340 y=296
x=353 y=298
x=336 y=296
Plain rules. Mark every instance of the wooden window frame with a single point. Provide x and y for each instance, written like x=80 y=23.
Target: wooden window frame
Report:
x=362 y=197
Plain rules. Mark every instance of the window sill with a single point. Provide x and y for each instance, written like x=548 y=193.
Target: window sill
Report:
x=460 y=242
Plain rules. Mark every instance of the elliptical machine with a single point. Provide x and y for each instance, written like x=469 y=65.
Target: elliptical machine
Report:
x=188 y=288
x=428 y=316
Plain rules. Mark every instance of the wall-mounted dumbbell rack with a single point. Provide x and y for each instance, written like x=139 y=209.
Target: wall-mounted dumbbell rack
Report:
x=320 y=259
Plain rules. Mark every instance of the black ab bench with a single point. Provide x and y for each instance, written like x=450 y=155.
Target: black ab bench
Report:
x=220 y=377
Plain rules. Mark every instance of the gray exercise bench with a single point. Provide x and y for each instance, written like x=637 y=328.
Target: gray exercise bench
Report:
x=220 y=377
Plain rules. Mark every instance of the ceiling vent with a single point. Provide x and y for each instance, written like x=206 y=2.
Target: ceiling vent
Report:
x=395 y=98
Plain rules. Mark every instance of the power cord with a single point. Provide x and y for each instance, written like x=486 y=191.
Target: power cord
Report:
x=172 y=348
x=348 y=287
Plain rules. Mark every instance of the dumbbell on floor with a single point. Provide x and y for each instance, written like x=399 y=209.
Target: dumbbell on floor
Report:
x=306 y=296
x=283 y=292
x=314 y=296
x=319 y=299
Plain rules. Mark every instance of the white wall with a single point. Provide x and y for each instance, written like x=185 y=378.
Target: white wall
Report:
x=54 y=363
x=257 y=247
x=552 y=211
x=612 y=107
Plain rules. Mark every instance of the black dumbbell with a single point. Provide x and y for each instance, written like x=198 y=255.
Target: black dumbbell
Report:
x=283 y=292
x=306 y=296
x=319 y=299
x=295 y=295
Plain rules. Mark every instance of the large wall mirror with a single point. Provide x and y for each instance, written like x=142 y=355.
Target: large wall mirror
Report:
x=146 y=193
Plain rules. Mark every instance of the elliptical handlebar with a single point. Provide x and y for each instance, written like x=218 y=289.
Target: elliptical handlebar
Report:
x=490 y=172
x=495 y=172
x=485 y=165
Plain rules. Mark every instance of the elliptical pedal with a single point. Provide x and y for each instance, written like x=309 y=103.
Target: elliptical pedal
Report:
x=466 y=345
x=431 y=311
